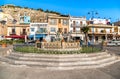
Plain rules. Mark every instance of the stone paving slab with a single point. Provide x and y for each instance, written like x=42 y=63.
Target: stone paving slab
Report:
x=3 y=51
x=22 y=72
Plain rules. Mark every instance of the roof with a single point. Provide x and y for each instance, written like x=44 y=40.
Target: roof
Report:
x=117 y=23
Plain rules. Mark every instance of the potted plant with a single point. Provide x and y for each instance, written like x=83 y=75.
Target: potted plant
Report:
x=4 y=43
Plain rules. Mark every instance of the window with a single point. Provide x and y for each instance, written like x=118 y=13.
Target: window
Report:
x=73 y=22
x=88 y=22
x=24 y=31
x=53 y=29
x=28 y=30
x=60 y=30
x=74 y=29
x=53 y=21
x=32 y=29
x=13 y=31
x=81 y=23
x=65 y=30
x=42 y=30
x=65 y=22
x=59 y=20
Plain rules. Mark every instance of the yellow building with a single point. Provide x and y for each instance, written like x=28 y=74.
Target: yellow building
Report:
x=58 y=24
x=100 y=32
x=4 y=20
x=17 y=30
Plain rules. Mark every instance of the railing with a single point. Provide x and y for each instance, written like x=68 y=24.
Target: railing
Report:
x=77 y=26
x=58 y=45
x=12 y=33
x=23 y=33
x=99 y=32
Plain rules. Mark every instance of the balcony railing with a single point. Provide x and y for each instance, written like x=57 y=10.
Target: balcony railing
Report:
x=12 y=33
x=23 y=33
x=99 y=32
x=77 y=26
x=44 y=32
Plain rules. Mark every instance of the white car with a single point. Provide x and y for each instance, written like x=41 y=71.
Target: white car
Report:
x=113 y=43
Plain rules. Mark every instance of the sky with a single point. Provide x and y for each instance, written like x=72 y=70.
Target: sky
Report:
x=105 y=8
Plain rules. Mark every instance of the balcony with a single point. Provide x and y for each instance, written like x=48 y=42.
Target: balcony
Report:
x=43 y=32
x=76 y=32
x=100 y=32
x=12 y=33
x=76 y=25
x=23 y=33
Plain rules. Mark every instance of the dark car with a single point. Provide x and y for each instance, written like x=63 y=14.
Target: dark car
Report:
x=30 y=42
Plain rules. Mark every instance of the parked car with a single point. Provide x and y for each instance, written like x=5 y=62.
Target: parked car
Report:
x=30 y=42
x=113 y=43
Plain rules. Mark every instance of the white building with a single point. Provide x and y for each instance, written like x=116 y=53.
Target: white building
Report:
x=38 y=31
x=99 y=30
x=75 y=24
x=100 y=21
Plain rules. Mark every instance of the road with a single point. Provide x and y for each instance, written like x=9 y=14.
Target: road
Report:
x=115 y=50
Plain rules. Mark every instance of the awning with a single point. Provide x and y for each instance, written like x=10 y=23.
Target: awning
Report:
x=16 y=36
x=37 y=36
x=31 y=36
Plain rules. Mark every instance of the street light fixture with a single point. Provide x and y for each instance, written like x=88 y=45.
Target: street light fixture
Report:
x=92 y=13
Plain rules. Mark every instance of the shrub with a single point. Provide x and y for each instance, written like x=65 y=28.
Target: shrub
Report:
x=90 y=49
x=32 y=49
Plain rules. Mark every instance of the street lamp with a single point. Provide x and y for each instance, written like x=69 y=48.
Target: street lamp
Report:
x=92 y=13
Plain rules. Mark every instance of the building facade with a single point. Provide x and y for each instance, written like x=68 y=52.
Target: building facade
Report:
x=17 y=31
x=75 y=25
x=99 y=30
x=58 y=26
x=38 y=31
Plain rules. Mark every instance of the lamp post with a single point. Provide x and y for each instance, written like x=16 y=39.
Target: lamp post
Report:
x=92 y=13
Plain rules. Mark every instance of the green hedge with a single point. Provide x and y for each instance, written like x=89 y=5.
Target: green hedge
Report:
x=11 y=41
x=31 y=49
x=90 y=50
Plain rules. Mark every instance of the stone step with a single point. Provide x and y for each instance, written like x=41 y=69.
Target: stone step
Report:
x=77 y=63
x=4 y=59
x=31 y=55
x=72 y=61
x=59 y=59
x=79 y=67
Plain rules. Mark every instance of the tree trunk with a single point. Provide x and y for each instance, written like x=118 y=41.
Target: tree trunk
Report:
x=86 y=39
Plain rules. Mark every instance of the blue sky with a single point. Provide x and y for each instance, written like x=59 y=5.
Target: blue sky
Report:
x=105 y=8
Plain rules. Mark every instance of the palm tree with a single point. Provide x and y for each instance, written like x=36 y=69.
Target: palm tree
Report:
x=85 y=30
